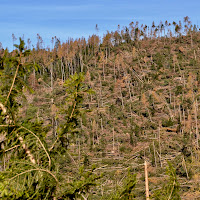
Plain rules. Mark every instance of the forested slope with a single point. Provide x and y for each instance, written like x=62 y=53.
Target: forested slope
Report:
x=66 y=135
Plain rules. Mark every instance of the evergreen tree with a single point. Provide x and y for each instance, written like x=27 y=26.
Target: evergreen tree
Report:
x=170 y=190
x=31 y=169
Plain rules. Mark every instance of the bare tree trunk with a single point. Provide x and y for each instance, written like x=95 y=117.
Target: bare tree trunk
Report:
x=185 y=167
x=146 y=180
x=100 y=89
x=121 y=97
x=62 y=71
x=154 y=152
x=195 y=56
x=114 y=72
x=196 y=122
x=113 y=140
x=159 y=145
x=101 y=126
x=51 y=71
x=106 y=54
x=33 y=77
x=184 y=118
x=79 y=150
x=104 y=78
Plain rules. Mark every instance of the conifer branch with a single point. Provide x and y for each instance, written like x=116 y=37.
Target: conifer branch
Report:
x=11 y=88
x=171 y=190
x=50 y=149
x=28 y=152
x=12 y=148
x=39 y=142
x=4 y=125
x=30 y=170
x=74 y=106
x=73 y=109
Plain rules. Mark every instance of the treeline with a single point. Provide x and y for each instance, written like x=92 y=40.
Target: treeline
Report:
x=66 y=58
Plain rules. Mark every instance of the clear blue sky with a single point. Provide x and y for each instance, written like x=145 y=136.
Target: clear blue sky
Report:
x=64 y=18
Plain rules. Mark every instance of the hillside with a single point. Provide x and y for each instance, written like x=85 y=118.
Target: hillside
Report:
x=143 y=105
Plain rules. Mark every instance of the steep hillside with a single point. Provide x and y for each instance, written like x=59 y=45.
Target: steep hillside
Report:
x=144 y=107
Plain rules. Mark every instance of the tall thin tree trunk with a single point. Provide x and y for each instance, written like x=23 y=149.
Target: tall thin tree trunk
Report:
x=51 y=71
x=146 y=180
x=113 y=140
x=196 y=122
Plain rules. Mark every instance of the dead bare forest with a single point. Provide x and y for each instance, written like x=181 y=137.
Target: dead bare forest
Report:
x=112 y=117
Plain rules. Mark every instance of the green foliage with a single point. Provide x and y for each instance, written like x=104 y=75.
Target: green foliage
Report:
x=75 y=91
x=126 y=192
x=81 y=184
x=12 y=74
x=86 y=161
x=137 y=130
x=179 y=90
x=33 y=170
x=28 y=174
x=24 y=180
x=167 y=123
x=170 y=190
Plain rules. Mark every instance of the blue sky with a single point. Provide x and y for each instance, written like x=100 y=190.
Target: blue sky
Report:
x=64 y=18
